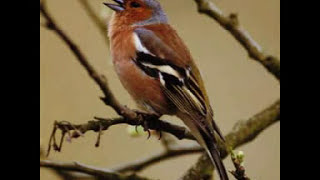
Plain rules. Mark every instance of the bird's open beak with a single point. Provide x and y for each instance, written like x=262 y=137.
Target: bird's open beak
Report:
x=116 y=7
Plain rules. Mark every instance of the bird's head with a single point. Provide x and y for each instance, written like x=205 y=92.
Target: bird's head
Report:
x=138 y=12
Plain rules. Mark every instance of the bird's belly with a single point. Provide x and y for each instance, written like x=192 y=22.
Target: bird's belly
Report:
x=144 y=89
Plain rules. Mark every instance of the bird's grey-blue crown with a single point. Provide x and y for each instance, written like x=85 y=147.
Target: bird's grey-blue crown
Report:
x=158 y=16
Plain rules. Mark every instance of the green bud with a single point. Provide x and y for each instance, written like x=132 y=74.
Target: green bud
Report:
x=134 y=131
x=240 y=157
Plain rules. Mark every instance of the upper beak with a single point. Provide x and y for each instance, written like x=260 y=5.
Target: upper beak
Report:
x=116 y=7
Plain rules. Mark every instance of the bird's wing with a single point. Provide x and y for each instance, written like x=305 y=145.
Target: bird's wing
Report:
x=171 y=63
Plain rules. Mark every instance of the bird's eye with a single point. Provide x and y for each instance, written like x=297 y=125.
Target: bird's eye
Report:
x=135 y=4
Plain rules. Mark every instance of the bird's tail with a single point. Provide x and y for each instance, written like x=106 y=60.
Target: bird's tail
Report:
x=207 y=140
x=215 y=156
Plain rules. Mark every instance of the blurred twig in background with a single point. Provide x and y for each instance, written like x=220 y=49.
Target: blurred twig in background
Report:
x=243 y=132
x=170 y=152
x=231 y=24
x=98 y=21
x=78 y=167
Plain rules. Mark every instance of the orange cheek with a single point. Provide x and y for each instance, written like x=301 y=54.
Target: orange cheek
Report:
x=139 y=15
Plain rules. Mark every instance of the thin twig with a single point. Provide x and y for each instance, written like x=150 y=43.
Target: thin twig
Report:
x=106 y=174
x=173 y=151
x=231 y=24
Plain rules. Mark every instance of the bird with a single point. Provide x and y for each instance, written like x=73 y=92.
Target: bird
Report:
x=156 y=68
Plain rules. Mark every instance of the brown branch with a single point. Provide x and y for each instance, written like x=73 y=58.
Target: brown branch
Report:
x=102 y=124
x=242 y=133
x=173 y=151
x=104 y=174
x=231 y=24
x=69 y=175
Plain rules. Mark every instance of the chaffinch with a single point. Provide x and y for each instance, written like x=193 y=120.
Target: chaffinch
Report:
x=156 y=68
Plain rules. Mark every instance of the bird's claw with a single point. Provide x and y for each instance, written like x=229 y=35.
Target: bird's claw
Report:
x=146 y=128
x=144 y=119
x=160 y=135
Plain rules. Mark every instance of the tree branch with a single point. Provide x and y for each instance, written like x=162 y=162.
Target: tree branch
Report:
x=102 y=124
x=173 y=151
x=69 y=175
x=242 y=133
x=97 y=172
x=231 y=24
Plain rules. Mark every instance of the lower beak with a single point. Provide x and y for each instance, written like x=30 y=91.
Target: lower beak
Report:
x=116 y=7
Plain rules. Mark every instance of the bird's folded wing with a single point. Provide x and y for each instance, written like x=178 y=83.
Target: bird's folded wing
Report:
x=176 y=75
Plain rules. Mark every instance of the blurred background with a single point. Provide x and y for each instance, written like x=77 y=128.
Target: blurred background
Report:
x=238 y=86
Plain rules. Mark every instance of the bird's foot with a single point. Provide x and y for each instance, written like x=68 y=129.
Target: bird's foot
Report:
x=146 y=120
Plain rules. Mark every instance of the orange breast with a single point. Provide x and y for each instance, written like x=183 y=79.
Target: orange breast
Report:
x=143 y=88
